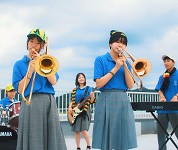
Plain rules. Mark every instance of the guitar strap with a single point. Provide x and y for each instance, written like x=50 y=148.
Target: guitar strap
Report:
x=83 y=94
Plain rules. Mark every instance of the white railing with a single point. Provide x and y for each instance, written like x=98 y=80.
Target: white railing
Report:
x=63 y=98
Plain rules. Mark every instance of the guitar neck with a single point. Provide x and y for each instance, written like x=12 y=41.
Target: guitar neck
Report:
x=85 y=100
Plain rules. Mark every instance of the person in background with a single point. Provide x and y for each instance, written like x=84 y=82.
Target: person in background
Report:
x=5 y=104
x=82 y=122
x=167 y=88
x=10 y=97
x=114 y=124
x=39 y=125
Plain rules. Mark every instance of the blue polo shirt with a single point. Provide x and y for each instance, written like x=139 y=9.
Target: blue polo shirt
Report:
x=41 y=84
x=171 y=91
x=6 y=102
x=80 y=92
x=102 y=65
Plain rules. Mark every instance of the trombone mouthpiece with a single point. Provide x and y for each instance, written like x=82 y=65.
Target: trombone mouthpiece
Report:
x=120 y=50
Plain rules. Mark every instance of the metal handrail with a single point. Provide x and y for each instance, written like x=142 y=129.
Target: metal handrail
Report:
x=63 y=98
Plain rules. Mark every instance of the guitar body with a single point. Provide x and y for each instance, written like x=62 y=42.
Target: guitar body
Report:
x=77 y=110
x=72 y=115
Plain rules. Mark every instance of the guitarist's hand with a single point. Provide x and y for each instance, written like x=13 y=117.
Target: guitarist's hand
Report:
x=70 y=109
x=92 y=97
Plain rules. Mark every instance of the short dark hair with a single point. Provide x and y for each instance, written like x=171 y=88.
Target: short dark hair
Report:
x=116 y=36
x=165 y=58
x=32 y=36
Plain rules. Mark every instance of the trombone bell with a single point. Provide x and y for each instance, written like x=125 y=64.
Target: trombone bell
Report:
x=46 y=65
x=142 y=67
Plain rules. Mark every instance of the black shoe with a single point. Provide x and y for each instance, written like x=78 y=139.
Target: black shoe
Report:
x=88 y=148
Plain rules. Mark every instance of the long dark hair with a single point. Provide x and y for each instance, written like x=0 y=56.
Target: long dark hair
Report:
x=76 y=80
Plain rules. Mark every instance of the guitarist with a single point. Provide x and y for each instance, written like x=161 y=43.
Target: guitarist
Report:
x=82 y=121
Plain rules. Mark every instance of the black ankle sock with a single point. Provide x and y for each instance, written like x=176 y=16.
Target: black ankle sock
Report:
x=78 y=148
x=89 y=147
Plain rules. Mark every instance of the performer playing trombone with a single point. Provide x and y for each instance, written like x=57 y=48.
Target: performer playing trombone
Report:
x=114 y=125
x=39 y=126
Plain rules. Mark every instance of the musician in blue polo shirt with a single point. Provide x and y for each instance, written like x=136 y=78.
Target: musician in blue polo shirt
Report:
x=6 y=102
x=39 y=126
x=10 y=97
x=167 y=88
x=114 y=124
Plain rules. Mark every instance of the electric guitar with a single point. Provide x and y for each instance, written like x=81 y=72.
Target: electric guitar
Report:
x=77 y=110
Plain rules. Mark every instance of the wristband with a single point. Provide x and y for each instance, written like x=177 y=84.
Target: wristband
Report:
x=111 y=73
x=28 y=78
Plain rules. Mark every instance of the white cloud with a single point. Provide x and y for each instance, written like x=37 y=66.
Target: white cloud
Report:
x=79 y=31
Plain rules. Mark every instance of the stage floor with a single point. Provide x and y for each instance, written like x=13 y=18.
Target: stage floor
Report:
x=145 y=142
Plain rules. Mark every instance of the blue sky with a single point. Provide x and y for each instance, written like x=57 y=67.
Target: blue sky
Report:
x=78 y=32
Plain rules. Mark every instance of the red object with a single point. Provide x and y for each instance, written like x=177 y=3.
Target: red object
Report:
x=166 y=75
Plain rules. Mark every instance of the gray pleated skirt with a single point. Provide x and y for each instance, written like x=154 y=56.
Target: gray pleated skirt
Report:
x=39 y=125
x=114 y=124
x=82 y=122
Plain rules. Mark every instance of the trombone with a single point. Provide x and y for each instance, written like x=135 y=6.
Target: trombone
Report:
x=140 y=67
x=45 y=65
